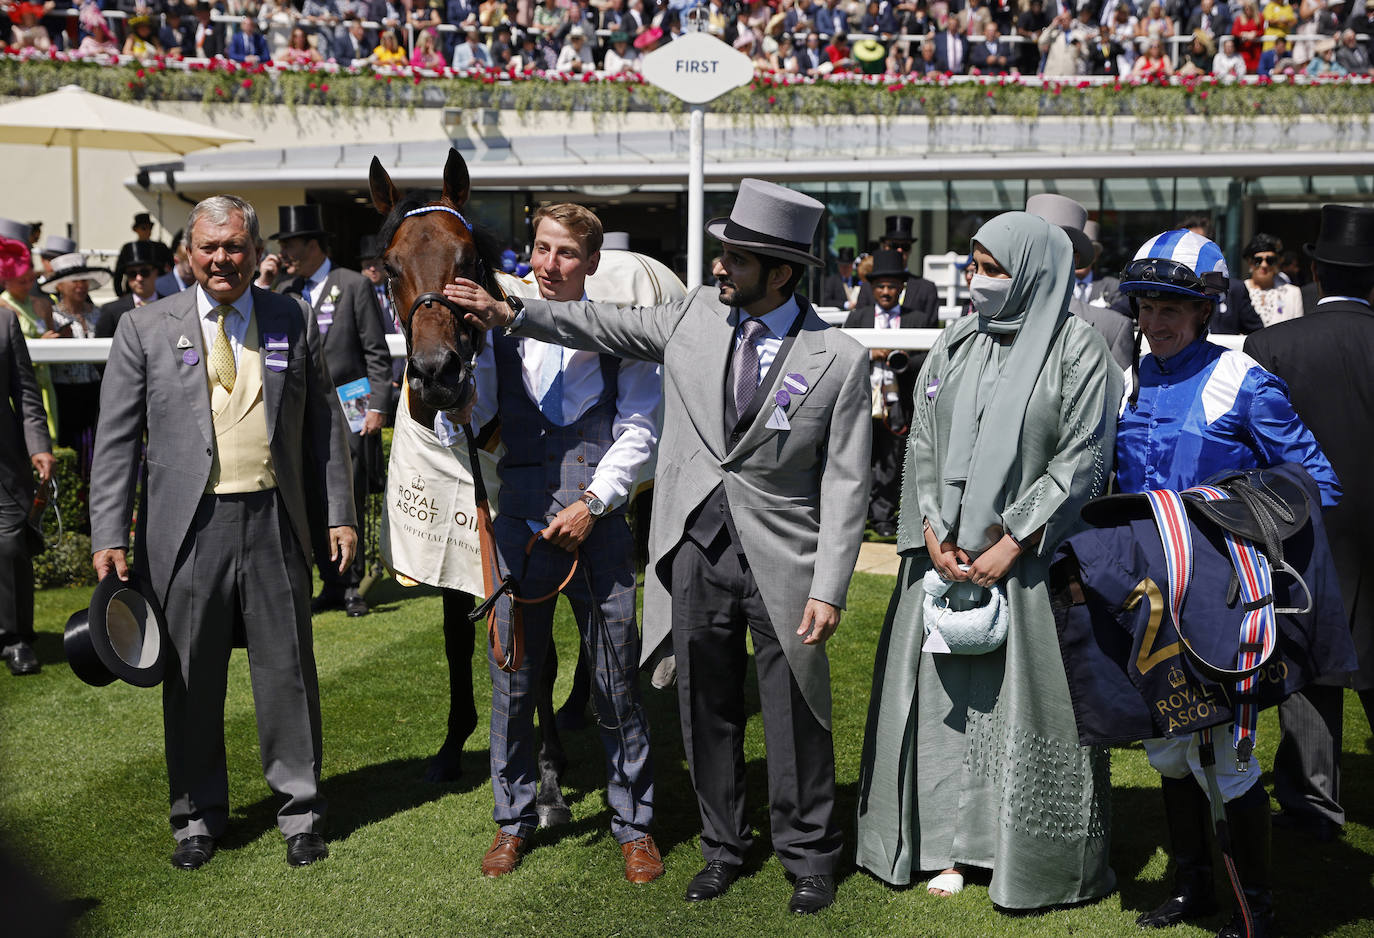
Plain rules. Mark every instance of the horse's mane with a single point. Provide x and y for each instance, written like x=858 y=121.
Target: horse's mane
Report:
x=488 y=247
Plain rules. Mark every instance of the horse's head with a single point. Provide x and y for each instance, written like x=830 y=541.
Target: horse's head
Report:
x=428 y=242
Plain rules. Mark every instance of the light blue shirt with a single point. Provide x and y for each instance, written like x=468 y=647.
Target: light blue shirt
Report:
x=768 y=343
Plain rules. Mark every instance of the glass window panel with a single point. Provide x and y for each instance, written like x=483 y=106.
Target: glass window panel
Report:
x=1082 y=191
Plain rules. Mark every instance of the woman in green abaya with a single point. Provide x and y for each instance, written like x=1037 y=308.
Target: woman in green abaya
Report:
x=972 y=760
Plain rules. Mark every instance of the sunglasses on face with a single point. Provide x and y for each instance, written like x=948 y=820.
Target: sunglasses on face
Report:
x=1259 y=259
x=136 y=272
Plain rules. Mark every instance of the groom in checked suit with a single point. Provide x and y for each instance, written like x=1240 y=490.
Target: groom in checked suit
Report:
x=758 y=514
x=242 y=429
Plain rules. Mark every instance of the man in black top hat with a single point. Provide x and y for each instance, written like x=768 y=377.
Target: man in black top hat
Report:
x=919 y=294
x=842 y=287
x=370 y=251
x=1325 y=359
x=139 y=289
x=345 y=309
x=143 y=228
x=892 y=375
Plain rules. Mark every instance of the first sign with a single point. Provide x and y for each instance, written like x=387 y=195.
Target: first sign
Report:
x=697 y=68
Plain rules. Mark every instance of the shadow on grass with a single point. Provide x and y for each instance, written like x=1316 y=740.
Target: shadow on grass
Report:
x=365 y=796
x=48 y=647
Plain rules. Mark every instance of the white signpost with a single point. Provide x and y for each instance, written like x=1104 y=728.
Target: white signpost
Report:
x=697 y=68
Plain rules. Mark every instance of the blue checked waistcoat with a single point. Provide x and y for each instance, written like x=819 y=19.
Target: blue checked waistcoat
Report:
x=547 y=467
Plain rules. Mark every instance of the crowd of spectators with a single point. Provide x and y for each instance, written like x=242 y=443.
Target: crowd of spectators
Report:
x=1145 y=39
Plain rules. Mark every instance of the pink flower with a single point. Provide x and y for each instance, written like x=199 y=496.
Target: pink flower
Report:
x=324 y=89
x=247 y=83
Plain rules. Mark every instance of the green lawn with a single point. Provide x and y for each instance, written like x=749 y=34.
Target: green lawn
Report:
x=83 y=799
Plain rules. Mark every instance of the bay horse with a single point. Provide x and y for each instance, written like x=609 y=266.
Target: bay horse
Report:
x=427 y=242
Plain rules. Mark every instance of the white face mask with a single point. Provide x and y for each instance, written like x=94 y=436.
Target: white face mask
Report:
x=989 y=294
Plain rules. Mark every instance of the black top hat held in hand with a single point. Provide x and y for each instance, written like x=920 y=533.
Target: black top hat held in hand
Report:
x=123 y=635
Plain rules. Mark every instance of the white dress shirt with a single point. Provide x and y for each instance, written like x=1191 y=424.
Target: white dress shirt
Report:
x=315 y=282
x=235 y=324
x=638 y=403
x=879 y=374
x=769 y=341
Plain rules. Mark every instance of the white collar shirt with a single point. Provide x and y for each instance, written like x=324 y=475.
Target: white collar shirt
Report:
x=235 y=324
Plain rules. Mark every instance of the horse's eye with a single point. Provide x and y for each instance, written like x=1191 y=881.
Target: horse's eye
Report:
x=389 y=271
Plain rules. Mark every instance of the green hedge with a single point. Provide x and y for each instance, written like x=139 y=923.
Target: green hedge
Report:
x=1341 y=99
x=67 y=560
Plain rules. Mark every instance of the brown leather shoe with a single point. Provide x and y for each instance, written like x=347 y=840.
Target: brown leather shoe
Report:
x=504 y=854
x=642 y=861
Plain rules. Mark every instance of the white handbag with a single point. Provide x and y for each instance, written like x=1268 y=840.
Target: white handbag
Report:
x=963 y=618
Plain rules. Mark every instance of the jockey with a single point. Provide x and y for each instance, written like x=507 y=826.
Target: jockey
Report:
x=1192 y=409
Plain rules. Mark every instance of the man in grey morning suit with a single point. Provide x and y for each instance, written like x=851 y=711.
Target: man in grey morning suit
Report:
x=354 y=346
x=242 y=428
x=759 y=505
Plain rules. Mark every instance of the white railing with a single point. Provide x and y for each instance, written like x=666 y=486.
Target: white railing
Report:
x=96 y=351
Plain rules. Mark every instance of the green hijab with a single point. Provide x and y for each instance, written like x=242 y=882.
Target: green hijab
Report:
x=985 y=436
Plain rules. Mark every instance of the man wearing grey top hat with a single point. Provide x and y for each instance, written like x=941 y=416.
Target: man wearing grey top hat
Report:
x=759 y=508
x=1089 y=295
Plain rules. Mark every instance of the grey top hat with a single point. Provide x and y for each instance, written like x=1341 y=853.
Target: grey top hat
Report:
x=14 y=230
x=1067 y=214
x=615 y=241
x=1094 y=232
x=56 y=246
x=70 y=267
x=772 y=220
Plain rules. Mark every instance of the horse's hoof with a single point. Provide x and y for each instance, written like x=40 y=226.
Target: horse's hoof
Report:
x=570 y=719
x=552 y=815
x=445 y=767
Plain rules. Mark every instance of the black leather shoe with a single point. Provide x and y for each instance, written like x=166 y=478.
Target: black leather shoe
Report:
x=712 y=881
x=1322 y=830
x=356 y=607
x=193 y=852
x=21 y=659
x=323 y=603
x=811 y=894
x=305 y=849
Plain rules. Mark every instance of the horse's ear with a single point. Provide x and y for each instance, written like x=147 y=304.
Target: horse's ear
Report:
x=457 y=184
x=384 y=193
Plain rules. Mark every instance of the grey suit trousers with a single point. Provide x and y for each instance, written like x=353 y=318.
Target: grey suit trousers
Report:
x=716 y=603
x=241 y=564
x=1307 y=764
x=607 y=558
x=16 y=570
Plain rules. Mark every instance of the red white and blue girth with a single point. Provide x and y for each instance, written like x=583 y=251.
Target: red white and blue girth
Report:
x=1257 y=630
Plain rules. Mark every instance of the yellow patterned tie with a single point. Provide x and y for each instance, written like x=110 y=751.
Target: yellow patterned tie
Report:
x=222 y=353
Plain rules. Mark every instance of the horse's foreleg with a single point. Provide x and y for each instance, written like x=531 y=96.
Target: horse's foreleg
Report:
x=459 y=635
x=549 y=804
x=573 y=714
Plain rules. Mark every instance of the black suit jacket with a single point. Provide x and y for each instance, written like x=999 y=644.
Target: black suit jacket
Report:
x=862 y=317
x=1325 y=359
x=1235 y=313
x=832 y=291
x=354 y=345
x=112 y=312
x=942 y=53
x=978 y=56
x=921 y=295
x=23 y=421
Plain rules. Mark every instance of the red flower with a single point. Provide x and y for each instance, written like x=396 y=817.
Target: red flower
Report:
x=140 y=73
x=324 y=89
x=247 y=83
x=772 y=100
x=219 y=92
x=1202 y=94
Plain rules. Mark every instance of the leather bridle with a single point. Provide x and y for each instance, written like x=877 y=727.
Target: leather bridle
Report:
x=428 y=299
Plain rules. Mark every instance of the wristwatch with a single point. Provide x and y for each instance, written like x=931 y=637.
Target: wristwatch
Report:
x=594 y=505
x=517 y=306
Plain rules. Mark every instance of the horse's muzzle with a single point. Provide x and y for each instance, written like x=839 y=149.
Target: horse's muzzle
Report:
x=444 y=381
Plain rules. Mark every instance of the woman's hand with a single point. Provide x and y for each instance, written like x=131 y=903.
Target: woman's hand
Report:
x=945 y=556
x=992 y=564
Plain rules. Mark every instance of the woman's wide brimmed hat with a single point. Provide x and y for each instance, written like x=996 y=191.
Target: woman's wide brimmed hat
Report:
x=122 y=636
x=69 y=267
x=771 y=220
x=648 y=37
x=1346 y=237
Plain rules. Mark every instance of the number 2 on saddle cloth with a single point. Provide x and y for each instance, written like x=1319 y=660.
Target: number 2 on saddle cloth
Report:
x=1260 y=610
